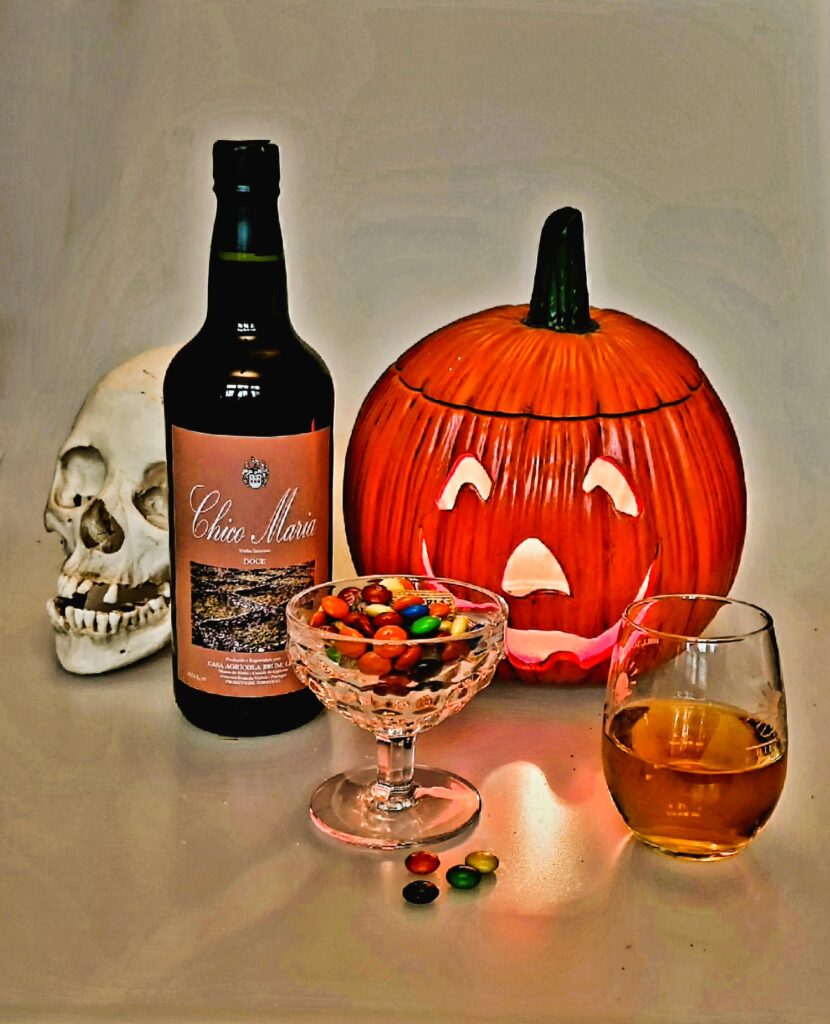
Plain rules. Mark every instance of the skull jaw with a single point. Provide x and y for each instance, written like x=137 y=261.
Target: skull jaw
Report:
x=88 y=655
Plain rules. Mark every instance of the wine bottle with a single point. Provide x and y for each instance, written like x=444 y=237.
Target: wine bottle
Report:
x=248 y=411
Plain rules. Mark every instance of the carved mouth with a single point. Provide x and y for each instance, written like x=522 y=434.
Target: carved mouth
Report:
x=101 y=608
x=534 y=646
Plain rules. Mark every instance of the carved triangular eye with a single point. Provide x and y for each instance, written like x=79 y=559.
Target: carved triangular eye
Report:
x=533 y=566
x=467 y=470
x=606 y=474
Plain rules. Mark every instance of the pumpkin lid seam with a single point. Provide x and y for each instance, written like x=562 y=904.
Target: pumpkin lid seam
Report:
x=536 y=416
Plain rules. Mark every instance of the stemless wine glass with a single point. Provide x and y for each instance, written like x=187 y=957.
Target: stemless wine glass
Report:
x=694 y=743
x=413 y=685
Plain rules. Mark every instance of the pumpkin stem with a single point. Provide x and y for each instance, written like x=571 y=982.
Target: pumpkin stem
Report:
x=560 y=288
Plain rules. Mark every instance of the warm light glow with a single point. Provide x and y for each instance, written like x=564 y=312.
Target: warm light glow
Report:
x=533 y=566
x=607 y=475
x=467 y=470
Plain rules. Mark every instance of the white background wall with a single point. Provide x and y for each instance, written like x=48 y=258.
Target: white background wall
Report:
x=423 y=143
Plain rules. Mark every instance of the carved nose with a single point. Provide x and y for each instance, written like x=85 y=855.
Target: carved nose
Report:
x=101 y=530
x=533 y=566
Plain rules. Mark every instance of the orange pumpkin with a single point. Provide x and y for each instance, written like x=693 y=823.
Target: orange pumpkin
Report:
x=571 y=458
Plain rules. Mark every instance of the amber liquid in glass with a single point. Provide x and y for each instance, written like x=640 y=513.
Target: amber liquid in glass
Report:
x=693 y=778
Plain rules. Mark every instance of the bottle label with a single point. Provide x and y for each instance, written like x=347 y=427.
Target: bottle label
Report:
x=251 y=530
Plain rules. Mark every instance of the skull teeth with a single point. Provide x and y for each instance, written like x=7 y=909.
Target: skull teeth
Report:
x=111 y=595
x=67 y=618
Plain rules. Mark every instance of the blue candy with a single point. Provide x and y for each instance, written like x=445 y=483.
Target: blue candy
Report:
x=413 y=611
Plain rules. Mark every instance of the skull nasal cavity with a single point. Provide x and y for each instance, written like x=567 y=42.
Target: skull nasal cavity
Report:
x=101 y=530
x=533 y=566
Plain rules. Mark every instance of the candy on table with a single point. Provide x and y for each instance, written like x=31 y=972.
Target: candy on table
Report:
x=461 y=876
x=484 y=861
x=420 y=892
x=422 y=862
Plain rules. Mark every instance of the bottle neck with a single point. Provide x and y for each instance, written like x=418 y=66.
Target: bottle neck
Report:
x=247 y=290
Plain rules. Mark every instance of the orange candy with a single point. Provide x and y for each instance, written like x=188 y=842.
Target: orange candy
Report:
x=439 y=609
x=335 y=607
x=348 y=648
x=373 y=664
x=406 y=601
x=391 y=633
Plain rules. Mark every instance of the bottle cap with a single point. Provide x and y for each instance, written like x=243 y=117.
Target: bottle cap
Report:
x=246 y=165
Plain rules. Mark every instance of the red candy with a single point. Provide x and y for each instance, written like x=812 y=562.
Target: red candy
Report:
x=376 y=593
x=351 y=595
x=388 y=619
x=422 y=862
x=409 y=658
x=360 y=622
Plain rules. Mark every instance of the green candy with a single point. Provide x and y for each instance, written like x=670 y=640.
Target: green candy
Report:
x=460 y=876
x=425 y=626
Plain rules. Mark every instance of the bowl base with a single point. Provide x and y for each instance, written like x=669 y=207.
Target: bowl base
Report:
x=344 y=807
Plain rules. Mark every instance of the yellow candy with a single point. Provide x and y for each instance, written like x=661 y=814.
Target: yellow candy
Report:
x=460 y=624
x=445 y=626
x=484 y=861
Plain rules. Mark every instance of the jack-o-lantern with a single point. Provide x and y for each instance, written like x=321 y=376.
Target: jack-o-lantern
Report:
x=573 y=459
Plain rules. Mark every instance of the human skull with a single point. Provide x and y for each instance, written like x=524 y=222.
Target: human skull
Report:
x=109 y=504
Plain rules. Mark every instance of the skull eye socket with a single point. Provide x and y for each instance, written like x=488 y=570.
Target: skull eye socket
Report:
x=83 y=472
x=467 y=470
x=609 y=476
x=151 y=497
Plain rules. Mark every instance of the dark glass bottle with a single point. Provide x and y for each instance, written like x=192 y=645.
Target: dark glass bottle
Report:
x=248 y=414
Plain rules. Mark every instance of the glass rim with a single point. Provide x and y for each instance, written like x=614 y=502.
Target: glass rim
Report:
x=766 y=625
x=293 y=619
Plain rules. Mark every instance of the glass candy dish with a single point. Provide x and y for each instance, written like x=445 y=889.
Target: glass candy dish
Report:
x=396 y=688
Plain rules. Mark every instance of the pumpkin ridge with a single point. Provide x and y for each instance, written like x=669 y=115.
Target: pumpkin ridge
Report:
x=526 y=415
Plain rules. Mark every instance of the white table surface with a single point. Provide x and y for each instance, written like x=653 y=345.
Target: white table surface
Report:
x=153 y=872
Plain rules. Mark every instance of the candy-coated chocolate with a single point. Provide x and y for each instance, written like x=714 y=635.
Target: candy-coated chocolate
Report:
x=360 y=622
x=348 y=648
x=334 y=606
x=427 y=669
x=318 y=619
x=351 y=595
x=413 y=611
x=420 y=892
x=376 y=593
x=439 y=608
x=374 y=664
x=461 y=876
x=388 y=619
x=460 y=624
x=373 y=610
x=484 y=861
x=424 y=625
x=453 y=650
x=387 y=687
x=445 y=627
x=422 y=862
x=405 y=601
x=387 y=633
x=409 y=658
x=396 y=584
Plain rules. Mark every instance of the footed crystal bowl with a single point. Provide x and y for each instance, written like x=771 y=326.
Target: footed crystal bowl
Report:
x=395 y=673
